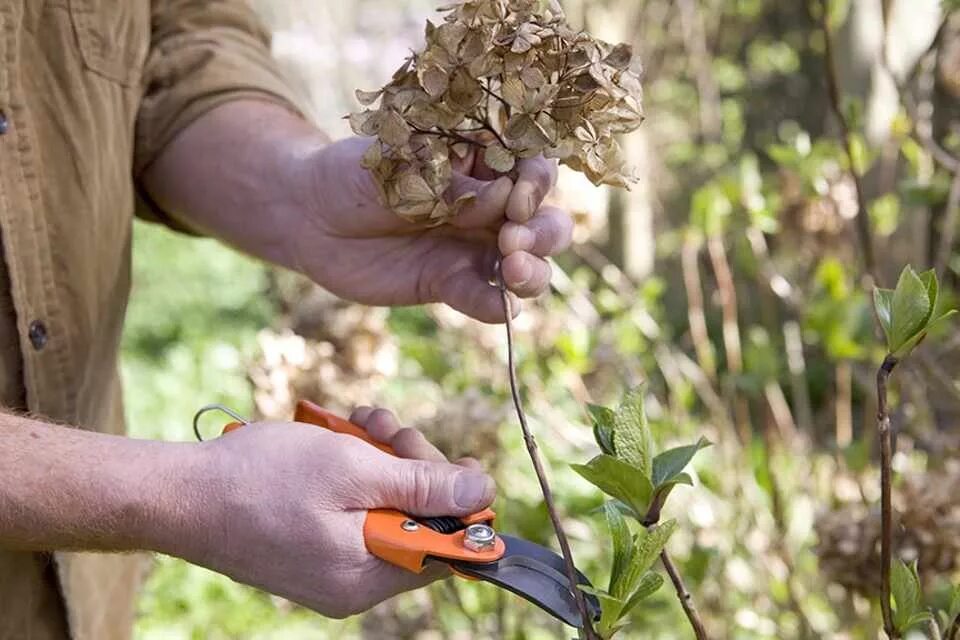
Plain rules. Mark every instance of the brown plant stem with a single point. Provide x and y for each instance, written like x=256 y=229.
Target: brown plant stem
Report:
x=533 y=450
x=886 y=508
x=696 y=317
x=954 y=632
x=864 y=234
x=650 y=519
x=686 y=600
x=731 y=333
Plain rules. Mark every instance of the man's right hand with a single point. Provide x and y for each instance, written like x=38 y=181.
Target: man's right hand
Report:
x=281 y=507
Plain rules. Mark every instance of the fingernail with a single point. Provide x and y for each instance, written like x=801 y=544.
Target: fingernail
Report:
x=472 y=489
x=525 y=239
x=525 y=272
x=531 y=205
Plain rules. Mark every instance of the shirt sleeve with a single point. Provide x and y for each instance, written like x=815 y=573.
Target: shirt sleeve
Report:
x=203 y=53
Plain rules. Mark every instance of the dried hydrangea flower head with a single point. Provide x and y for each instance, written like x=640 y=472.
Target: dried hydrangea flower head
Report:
x=513 y=80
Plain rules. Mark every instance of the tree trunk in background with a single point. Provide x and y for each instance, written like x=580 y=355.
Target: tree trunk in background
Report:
x=875 y=54
x=630 y=214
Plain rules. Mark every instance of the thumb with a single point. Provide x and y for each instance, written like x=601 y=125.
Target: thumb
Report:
x=423 y=488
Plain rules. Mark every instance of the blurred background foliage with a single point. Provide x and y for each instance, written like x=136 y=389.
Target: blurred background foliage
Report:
x=734 y=279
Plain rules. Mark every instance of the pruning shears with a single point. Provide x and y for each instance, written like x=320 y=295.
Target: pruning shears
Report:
x=469 y=546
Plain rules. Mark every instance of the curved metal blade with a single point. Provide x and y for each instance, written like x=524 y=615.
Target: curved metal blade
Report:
x=534 y=573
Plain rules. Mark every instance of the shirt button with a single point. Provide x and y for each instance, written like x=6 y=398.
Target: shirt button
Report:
x=38 y=335
x=4 y=123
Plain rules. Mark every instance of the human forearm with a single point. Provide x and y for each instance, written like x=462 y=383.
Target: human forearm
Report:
x=267 y=182
x=235 y=174
x=64 y=488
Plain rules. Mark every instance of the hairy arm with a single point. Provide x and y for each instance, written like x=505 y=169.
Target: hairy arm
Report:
x=64 y=488
x=275 y=505
x=237 y=173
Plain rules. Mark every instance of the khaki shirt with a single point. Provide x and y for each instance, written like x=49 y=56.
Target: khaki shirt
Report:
x=90 y=92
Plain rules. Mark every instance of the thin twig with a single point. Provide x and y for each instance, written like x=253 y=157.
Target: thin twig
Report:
x=686 y=600
x=696 y=317
x=731 y=333
x=954 y=632
x=650 y=520
x=886 y=508
x=864 y=233
x=934 y=629
x=532 y=449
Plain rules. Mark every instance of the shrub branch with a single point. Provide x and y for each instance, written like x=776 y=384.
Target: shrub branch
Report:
x=533 y=450
x=886 y=508
x=651 y=519
x=686 y=600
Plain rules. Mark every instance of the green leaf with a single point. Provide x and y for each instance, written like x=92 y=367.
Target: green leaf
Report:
x=908 y=346
x=910 y=310
x=611 y=609
x=650 y=543
x=619 y=480
x=622 y=543
x=929 y=280
x=632 y=439
x=670 y=463
x=602 y=427
x=921 y=617
x=954 y=608
x=883 y=303
x=661 y=492
x=648 y=585
x=906 y=593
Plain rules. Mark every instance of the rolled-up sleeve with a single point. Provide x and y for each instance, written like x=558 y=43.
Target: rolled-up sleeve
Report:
x=203 y=53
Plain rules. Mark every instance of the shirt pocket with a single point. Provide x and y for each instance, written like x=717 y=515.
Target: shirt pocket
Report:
x=113 y=37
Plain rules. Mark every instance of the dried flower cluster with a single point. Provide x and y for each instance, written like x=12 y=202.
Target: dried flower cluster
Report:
x=928 y=530
x=510 y=77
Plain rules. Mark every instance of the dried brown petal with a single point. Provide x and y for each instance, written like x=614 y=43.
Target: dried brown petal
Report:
x=533 y=77
x=414 y=188
x=513 y=91
x=372 y=156
x=365 y=123
x=433 y=79
x=498 y=158
x=507 y=74
x=394 y=130
x=465 y=92
x=620 y=57
x=366 y=98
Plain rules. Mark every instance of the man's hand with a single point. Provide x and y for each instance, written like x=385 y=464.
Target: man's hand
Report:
x=266 y=181
x=359 y=250
x=284 y=506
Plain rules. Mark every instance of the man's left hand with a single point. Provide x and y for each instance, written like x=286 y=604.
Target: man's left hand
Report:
x=353 y=246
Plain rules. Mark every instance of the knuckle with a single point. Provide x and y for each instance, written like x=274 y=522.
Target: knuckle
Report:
x=541 y=177
x=422 y=484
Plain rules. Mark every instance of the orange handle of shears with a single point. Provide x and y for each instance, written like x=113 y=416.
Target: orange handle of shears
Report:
x=388 y=533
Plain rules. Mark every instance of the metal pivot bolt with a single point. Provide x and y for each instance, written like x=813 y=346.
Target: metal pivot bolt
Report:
x=409 y=525
x=479 y=537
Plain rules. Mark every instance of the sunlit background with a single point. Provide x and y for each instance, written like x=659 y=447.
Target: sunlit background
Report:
x=730 y=278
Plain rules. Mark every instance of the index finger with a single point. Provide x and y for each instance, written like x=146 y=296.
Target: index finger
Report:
x=535 y=178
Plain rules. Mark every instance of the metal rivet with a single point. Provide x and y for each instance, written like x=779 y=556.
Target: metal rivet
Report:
x=479 y=537
x=38 y=335
x=409 y=525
